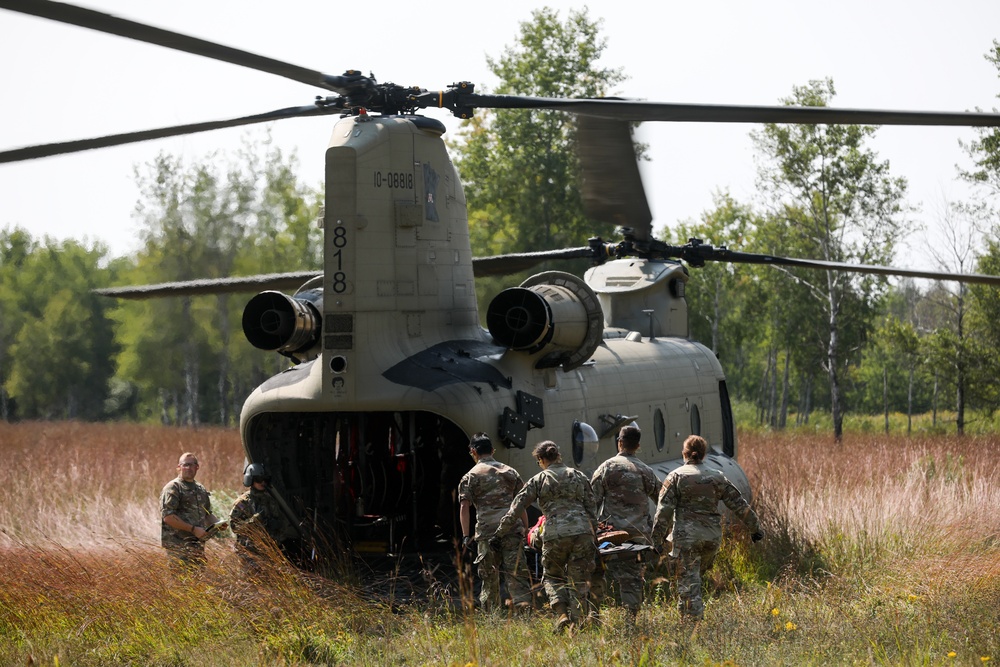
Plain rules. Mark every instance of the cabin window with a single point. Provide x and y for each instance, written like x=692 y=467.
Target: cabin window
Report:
x=728 y=424
x=659 y=429
x=695 y=419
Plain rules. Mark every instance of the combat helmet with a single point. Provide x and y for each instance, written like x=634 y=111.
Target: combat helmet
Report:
x=255 y=470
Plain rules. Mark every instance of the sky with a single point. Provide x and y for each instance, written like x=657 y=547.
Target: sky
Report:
x=60 y=82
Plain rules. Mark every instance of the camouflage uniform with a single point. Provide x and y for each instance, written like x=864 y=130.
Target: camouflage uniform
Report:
x=255 y=511
x=191 y=502
x=568 y=549
x=623 y=486
x=689 y=503
x=490 y=487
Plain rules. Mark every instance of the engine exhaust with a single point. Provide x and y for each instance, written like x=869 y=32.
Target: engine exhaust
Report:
x=279 y=323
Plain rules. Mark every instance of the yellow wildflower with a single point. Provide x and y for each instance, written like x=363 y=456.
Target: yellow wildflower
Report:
x=951 y=654
x=775 y=612
x=791 y=626
x=985 y=659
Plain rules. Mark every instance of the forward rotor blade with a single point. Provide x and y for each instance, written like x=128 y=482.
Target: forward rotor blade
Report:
x=501 y=265
x=725 y=255
x=46 y=150
x=497 y=265
x=636 y=110
x=612 y=186
x=88 y=18
x=257 y=283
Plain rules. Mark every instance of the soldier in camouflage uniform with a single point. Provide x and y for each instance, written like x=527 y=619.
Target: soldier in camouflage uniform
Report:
x=185 y=511
x=623 y=486
x=568 y=548
x=490 y=487
x=689 y=504
x=257 y=513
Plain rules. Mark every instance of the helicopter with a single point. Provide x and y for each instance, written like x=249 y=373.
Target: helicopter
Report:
x=366 y=432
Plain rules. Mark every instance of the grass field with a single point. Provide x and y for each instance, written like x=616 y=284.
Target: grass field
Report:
x=881 y=550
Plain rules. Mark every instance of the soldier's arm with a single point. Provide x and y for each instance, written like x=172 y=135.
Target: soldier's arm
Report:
x=169 y=500
x=518 y=485
x=738 y=505
x=465 y=504
x=651 y=484
x=597 y=485
x=181 y=525
x=169 y=503
x=524 y=497
x=589 y=501
x=239 y=514
x=663 y=522
x=465 y=517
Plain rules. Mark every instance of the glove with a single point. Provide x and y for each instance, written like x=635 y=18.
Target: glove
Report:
x=757 y=537
x=466 y=542
x=496 y=542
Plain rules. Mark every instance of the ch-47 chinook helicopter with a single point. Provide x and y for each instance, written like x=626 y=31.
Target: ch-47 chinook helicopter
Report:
x=392 y=370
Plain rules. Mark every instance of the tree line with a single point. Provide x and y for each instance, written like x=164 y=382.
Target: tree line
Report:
x=67 y=353
x=792 y=341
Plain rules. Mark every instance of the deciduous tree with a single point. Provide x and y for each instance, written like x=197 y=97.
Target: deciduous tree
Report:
x=519 y=167
x=56 y=356
x=210 y=220
x=836 y=201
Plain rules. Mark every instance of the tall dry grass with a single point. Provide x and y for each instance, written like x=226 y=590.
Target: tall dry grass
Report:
x=88 y=485
x=914 y=500
x=878 y=551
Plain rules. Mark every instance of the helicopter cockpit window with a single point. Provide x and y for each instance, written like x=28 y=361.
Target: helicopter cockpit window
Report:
x=659 y=429
x=695 y=420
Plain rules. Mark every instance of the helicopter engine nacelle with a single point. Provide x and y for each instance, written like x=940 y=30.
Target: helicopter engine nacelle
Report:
x=290 y=325
x=553 y=313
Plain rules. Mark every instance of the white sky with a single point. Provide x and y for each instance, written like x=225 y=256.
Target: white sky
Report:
x=61 y=82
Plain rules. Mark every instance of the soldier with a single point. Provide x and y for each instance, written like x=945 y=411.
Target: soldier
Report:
x=186 y=512
x=255 y=513
x=689 y=503
x=623 y=486
x=568 y=548
x=490 y=487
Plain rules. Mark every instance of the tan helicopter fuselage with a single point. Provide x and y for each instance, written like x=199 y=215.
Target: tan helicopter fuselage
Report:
x=368 y=434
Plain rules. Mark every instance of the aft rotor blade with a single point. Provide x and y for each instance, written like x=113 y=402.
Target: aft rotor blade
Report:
x=257 y=283
x=502 y=265
x=612 y=186
x=725 y=255
x=88 y=18
x=76 y=146
x=637 y=110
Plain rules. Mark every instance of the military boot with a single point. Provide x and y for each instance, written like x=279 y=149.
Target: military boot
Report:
x=563 y=621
